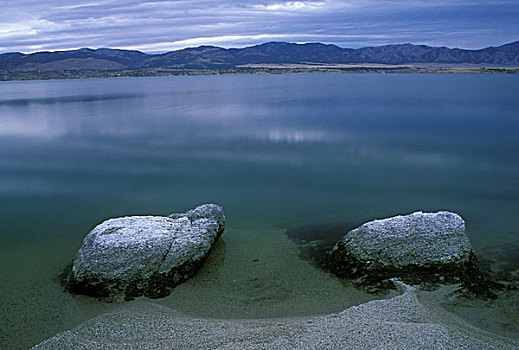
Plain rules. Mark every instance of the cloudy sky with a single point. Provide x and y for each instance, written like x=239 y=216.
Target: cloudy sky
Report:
x=159 y=26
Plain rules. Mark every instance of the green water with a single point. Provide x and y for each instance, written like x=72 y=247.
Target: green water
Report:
x=275 y=151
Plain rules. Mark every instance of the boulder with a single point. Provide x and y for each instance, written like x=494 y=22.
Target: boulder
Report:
x=419 y=248
x=144 y=255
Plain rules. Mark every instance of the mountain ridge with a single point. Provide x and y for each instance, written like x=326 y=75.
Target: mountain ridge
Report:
x=214 y=57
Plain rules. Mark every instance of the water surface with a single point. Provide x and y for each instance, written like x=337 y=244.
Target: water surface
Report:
x=275 y=150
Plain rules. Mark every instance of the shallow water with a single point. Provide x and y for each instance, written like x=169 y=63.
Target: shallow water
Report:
x=276 y=151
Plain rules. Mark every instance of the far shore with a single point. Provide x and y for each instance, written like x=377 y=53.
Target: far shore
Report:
x=260 y=68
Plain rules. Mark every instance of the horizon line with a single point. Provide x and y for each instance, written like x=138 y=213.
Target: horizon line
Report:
x=246 y=46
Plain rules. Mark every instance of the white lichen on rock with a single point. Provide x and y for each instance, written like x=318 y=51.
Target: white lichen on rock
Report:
x=417 y=239
x=419 y=248
x=136 y=255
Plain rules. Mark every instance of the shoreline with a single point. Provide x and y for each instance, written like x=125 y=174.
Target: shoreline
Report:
x=236 y=289
x=238 y=283
x=404 y=321
x=308 y=150
x=257 y=69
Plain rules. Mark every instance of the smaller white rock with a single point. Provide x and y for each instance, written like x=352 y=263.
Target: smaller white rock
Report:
x=418 y=238
x=414 y=247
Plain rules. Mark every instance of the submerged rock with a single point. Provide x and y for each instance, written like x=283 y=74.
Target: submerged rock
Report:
x=145 y=255
x=500 y=262
x=420 y=248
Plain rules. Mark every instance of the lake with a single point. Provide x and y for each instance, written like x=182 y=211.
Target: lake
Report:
x=276 y=151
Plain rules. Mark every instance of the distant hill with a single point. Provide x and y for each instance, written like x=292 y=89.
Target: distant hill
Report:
x=211 y=57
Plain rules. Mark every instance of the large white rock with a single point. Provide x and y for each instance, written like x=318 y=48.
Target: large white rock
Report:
x=145 y=255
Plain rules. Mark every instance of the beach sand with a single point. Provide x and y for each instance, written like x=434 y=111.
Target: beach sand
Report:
x=252 y=274
x=401 y=322
x=254 y=291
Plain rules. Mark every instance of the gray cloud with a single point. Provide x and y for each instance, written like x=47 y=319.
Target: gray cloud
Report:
x=157 y=26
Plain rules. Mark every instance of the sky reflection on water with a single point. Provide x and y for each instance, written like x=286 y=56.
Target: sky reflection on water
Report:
x=276 y=148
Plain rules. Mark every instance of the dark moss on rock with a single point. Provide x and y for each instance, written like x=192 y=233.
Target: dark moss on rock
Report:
x=377 y=278
x=427 y=249
x=161 y=284
x=420 y=248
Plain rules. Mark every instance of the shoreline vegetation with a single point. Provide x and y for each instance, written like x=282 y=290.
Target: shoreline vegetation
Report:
x=253 y=69
x=266 y=58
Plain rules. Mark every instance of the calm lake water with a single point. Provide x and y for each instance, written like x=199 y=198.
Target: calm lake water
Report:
x=276 y=151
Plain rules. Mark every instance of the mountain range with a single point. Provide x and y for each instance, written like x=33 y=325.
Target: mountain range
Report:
x=211 y=57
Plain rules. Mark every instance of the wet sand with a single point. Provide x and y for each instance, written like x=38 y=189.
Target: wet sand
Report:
x=249 y=274
x=253 y=291
x=403 y=322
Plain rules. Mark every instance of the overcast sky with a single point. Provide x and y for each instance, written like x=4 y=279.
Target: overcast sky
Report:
x=158 y=26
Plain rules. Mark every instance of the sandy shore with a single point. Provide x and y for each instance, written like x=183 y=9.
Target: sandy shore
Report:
x=402 y=322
